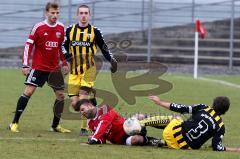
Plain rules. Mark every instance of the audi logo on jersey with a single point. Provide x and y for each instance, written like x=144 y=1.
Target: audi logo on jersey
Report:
x=51 y=44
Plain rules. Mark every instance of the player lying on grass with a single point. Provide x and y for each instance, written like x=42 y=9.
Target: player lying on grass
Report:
x=107 y=125
x=205 y=123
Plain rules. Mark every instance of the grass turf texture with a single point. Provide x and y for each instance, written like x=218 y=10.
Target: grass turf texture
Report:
x=35 y=141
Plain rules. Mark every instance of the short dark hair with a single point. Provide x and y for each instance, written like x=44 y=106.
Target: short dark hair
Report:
x=53 y=5
x=221 y=105
x=83 y=6
x=81 y=102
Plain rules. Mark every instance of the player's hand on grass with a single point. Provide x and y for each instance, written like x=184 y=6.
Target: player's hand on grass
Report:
x=93 y=142
x=26 y=70
x=113 y=65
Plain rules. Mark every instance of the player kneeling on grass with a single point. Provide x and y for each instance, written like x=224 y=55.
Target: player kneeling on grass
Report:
x=205 y=123
x=107 y=125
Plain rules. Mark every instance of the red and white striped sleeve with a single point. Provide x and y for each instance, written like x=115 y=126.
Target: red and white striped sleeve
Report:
x=29 y=45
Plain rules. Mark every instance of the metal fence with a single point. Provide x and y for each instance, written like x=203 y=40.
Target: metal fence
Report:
x=156 y=28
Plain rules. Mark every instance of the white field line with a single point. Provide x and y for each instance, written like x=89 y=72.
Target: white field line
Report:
x=36 y=139
x=221 y=82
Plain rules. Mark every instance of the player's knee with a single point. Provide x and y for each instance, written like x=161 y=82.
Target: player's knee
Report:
x=74 y=102
x=84 y=90
x=60 y=95
x=29 y=90
x=29 y=94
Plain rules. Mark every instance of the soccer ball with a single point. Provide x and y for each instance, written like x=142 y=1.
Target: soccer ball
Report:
x=132 y=126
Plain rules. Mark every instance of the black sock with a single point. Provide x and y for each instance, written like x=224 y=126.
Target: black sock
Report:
x=21 y=105
x=57 y=111
x=152 y=141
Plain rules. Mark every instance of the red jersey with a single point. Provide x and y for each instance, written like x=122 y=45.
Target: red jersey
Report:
x=107 y=125
x=47 y=40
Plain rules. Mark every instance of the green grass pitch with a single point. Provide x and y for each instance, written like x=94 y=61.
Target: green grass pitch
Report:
x=35 y=141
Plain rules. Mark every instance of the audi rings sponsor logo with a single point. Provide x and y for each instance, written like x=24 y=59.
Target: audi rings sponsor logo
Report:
x=51 y=44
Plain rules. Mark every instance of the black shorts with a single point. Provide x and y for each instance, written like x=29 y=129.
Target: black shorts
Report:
x=38 y=78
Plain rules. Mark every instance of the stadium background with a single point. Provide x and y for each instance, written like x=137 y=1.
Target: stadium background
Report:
x=157 y=29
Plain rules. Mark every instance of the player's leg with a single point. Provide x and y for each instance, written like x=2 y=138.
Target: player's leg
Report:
x=74 y=99
x=152 y=141
x=84 y=93
x=56 y=81
x=22 y=102
x=158 y=121
x=140 y=140
x=87 y=83
x=57 y=111
x=21 y=105
x=33 y=80
x=73 y=87
x=87 y=92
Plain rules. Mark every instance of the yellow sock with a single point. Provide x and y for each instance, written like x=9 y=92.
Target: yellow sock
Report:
x=157 y=121
x=84 y=124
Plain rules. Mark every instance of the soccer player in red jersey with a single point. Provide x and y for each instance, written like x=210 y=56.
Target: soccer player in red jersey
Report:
x=46 y=38
x=107 y=125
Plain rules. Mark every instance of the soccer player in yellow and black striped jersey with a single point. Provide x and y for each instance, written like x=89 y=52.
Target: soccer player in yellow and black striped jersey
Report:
x=80 y=47
x=205 y=123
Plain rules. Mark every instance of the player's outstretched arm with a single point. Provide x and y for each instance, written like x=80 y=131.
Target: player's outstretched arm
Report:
x=180 y=108
x=232 y=149
x=160 y=102
x=217 y=144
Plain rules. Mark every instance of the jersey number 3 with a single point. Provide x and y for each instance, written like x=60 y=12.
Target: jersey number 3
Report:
x=198 y=131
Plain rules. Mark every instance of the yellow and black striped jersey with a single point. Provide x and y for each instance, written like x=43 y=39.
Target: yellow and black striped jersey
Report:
x=201 y=126
x=81 y=43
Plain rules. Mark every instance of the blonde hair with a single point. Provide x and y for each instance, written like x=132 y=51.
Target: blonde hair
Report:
x=53 y=5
